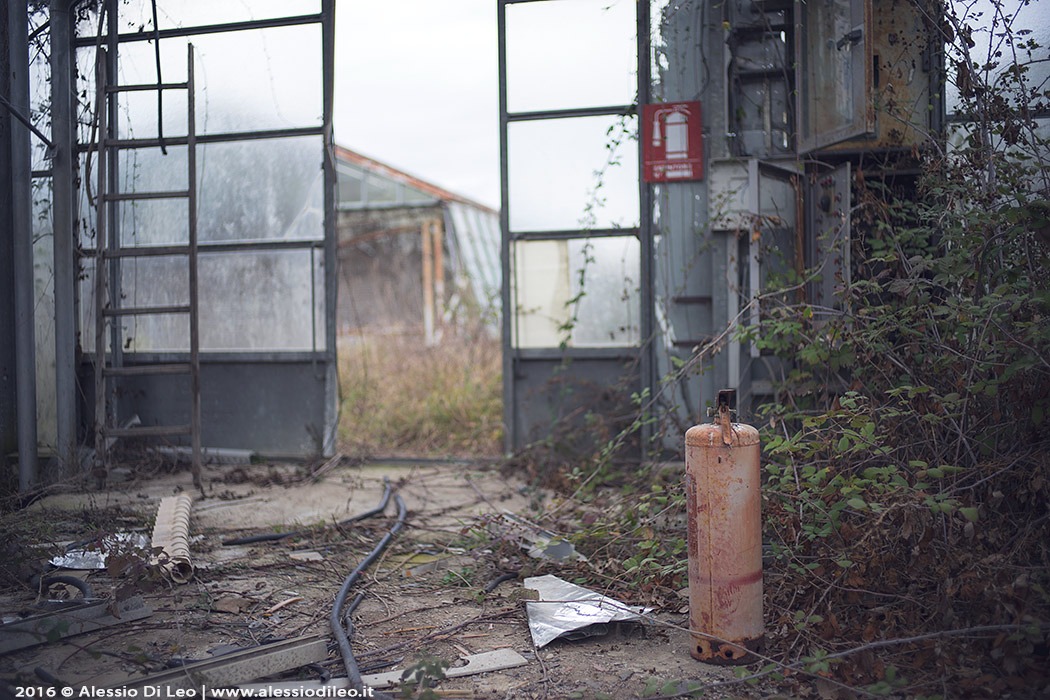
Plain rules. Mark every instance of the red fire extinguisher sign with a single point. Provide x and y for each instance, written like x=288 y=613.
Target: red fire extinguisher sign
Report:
x=672 y=142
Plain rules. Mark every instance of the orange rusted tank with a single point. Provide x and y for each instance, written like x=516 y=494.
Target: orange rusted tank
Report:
x=723 y=495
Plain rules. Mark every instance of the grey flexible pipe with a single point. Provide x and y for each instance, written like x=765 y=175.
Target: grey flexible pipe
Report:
x=275 y=536
x=342 y=636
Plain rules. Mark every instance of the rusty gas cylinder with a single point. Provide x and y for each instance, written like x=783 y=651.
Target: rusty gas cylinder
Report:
x=723 y=496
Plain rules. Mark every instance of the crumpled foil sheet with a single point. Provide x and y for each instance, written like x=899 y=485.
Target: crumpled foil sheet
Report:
x=96 y=558
x=566 y=610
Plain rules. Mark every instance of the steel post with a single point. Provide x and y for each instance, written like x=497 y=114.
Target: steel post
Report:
x=22 y=247
x=63 y=167
x=8 y=373
x=646 y=302
x=510 y=437
x=331 y=259
x=110 y=104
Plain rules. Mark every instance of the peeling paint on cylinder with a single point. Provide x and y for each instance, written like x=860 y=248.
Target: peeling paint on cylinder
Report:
x=723 y=495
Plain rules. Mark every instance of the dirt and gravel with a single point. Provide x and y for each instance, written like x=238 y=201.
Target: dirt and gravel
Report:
x=424 y=599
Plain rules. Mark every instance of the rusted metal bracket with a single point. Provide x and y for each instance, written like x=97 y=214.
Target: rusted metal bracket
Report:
x=724 y=412
x=79 y=618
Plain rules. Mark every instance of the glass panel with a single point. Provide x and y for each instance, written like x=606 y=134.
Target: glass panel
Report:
x=260 y=190
x=411 y=194
x=263 y=79
x=351 y=189
x=379 y=190
x=149 y=170
x=138 y=111
x=580 y=292
x=571 y=53
x=137 y=15
x=257 y=300
x=573 y=173
x=154 y=222
x=262 y=300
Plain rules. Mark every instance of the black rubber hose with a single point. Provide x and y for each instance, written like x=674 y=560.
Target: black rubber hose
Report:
x=497 y=581
x=342 y=636
x=83 y=586
x=43 y=674
x=276 y=536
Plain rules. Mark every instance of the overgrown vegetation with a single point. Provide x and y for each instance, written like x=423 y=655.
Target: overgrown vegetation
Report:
x=907 y=456
x=401 y=397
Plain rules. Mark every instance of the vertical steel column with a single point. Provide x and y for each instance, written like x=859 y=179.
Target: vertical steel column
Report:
x=63 y=167
x=8 y=370
x=110 y=103
x=22 y=228
x=509 y=352
x=331 y=259
x=646 y=301
x=195 y=364
x=100 y=271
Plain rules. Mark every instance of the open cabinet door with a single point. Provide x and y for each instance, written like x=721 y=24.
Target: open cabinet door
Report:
x=833 y=51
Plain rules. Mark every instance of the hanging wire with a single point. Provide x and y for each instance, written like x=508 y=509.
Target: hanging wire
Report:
x=160 y=89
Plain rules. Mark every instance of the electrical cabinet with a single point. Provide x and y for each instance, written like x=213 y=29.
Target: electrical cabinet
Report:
x=867 y=75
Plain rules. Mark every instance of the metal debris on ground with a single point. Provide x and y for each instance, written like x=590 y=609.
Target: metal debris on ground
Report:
x=538 y=542
x=93 y=556
x=485 y=662
x=238 y=667
x=574 y=612
x=78 y=617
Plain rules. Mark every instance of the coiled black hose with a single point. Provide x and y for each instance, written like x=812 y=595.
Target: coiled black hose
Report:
x=335 y=620
x=275 y=536
x=83 y=586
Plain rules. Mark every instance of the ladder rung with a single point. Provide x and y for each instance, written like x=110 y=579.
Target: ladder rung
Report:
x=147 y=251
x=129 y=196
x=147 y=86
x=145 y=370
x=147 y=310
x=147 y=431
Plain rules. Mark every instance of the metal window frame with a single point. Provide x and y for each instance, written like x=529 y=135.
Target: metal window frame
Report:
x=512 y=355
x=322 y=361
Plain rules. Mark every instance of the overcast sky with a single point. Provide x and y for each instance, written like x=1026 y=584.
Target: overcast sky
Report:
x=416 y=87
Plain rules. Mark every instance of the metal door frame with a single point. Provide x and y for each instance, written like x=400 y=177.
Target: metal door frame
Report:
x=515 y=358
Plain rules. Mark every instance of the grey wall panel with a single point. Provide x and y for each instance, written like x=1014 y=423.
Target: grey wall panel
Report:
x=554 y=399
x=274 y=408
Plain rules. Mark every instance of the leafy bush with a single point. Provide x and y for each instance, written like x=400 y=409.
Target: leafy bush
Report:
x=908 y=477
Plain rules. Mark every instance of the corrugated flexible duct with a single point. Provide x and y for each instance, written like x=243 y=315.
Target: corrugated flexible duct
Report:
x=171 y=532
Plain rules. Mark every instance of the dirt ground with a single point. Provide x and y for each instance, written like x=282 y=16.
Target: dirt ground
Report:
x=424 y=598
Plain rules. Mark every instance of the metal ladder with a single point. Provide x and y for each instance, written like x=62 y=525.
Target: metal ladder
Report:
x=108 y=254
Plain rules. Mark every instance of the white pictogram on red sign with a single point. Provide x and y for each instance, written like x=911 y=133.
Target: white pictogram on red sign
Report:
x=672 y=142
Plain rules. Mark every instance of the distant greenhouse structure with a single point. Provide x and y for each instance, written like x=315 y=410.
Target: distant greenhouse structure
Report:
x=412 y=256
